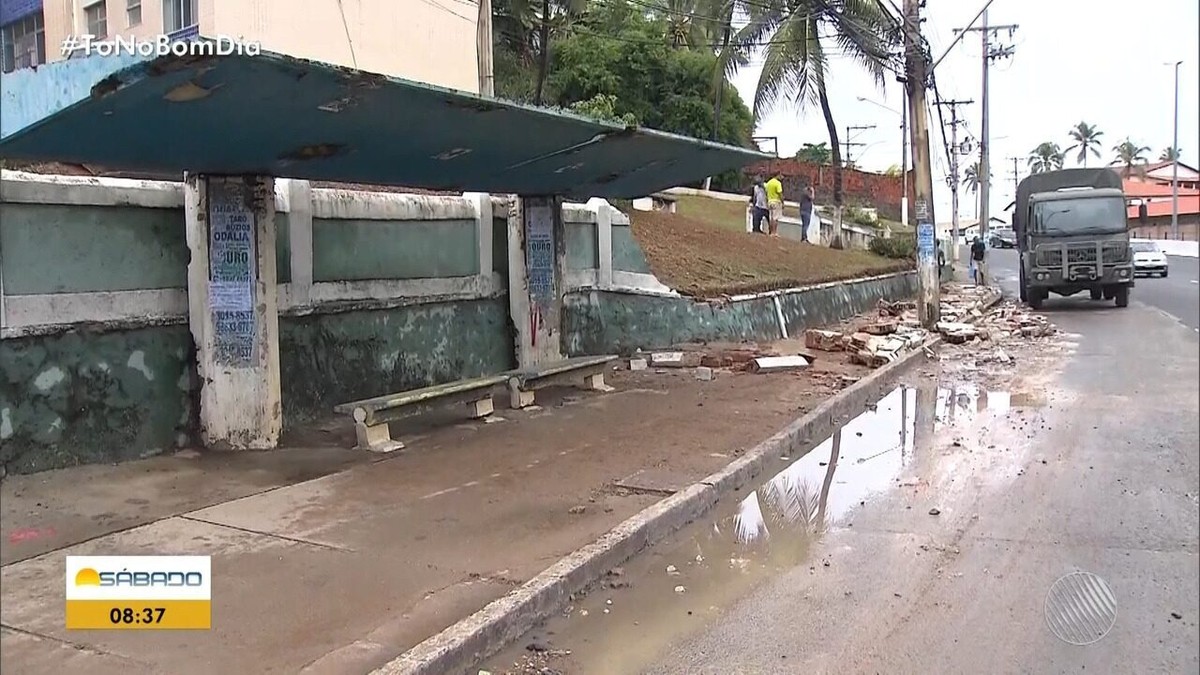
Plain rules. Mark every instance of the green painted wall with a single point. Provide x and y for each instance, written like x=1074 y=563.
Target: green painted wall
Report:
x=283 y=249
x=83 y=397
x=327 y=359
x=52 y=248
x=627 y=253
x=582 y=249
x=348 y=250
x=596 y=322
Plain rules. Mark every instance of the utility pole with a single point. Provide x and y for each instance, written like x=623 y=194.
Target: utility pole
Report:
x=1016 y=176
x=904 y=158
x=1175 y=162
x=483 y=47
x=989 y=55
x=954 y=179
x=916 y=67
x=848 y=144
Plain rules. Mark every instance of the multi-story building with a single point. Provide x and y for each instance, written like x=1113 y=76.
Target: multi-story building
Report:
x=430 y=41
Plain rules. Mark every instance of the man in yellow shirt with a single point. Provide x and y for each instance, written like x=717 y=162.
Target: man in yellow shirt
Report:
x=774 y=189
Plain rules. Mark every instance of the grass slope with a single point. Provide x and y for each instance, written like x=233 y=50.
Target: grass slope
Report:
x=700 y=258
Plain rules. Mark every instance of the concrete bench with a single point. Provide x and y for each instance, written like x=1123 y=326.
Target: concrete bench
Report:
x=583 y=371
x=372 y=415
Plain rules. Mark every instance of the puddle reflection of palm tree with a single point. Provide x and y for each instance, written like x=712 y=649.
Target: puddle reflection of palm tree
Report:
x=828 y=484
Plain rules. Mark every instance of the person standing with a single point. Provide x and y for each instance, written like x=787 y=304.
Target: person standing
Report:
x=774 y=202
x=806 y=211
x=979 y=261
x=758 y=205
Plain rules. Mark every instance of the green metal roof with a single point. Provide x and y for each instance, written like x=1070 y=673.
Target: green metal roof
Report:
x=277 y=115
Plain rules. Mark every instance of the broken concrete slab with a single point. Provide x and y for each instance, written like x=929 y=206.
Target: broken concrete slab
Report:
x=774 y=364
x=637 y=364
x=824 y=340
x=705 y=374
x=675 y=359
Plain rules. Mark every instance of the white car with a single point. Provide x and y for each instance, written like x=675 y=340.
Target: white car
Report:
x=1148 y=258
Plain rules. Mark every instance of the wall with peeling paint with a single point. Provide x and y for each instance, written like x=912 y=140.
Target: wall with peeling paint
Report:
x=82 y=397
x=326 y=359
x=599 y=322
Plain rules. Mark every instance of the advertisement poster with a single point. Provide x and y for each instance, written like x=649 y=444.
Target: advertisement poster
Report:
x=925 y=241
x=231 y=273
x=539 y=251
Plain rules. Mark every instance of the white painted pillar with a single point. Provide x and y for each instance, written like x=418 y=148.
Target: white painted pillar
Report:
x=300 y=237
x=603 y=239
x=232 y=303
x=536 y=258
x=481 y=203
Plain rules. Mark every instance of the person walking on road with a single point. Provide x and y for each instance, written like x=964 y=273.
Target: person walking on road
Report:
x=758 y=205
x=806 y=211
x=774 y=201
x=979 y=261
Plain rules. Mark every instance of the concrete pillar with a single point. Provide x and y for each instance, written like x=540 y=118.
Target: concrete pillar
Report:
x=232 y=303
x=604 y=249
x=481 y=203
x=536 y=257
x=300 y=237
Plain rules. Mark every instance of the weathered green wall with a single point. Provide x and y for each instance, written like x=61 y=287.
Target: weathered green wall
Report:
x=327 y=359
x=50 y=248
x=582 y=249
x=627 y=253
x=500 y=246
x=283 y=249
x=83 y=397
x=347 y=250
x=596 y=322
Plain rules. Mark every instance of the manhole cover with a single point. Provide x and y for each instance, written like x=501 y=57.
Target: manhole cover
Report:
x=1080 y=608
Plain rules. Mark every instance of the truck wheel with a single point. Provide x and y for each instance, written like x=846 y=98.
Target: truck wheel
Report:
x=1097 y=294
x=1024 y=290
x=1122 y=296
x=1036 y=296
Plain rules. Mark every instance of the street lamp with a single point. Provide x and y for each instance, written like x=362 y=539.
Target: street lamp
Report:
x=903 y=150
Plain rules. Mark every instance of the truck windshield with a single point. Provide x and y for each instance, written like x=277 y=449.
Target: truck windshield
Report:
x=1096 y=215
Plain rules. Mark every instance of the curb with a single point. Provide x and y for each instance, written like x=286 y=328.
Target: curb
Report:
x=489 y=630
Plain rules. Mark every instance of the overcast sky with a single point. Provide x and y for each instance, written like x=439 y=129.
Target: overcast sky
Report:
x=1073 y=61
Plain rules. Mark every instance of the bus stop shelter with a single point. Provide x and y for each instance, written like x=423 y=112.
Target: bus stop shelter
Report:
x=233 y=123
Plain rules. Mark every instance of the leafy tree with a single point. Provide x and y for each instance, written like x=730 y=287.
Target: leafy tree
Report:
x=661 y=87
x=1130 y=155
x=816 y=154
x=604 y=107
x=1086 y=139
x=800 y=37
x=1046 y=157
x=893 y=171
x=1169 y=155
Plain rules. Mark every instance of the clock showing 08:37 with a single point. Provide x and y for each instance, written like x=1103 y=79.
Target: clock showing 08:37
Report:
x=138 y=593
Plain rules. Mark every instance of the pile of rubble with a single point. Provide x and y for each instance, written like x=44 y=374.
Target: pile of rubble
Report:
x=878 y=342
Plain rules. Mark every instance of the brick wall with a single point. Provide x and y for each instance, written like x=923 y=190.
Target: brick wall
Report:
x=860 y=188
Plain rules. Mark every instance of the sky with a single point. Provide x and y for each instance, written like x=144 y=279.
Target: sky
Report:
x=1072 y=61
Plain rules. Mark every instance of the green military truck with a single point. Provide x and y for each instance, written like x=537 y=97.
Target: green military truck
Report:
x=1072 y=235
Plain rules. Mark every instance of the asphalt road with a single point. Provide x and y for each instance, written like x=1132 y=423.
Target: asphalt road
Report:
x=951 y=565
x=1178 y=295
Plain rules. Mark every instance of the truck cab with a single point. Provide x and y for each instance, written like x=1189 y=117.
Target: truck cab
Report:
x=1073 y=236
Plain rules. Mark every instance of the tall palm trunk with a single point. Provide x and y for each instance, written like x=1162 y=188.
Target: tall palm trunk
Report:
x=719 y=80
x=836 y=152
x=544 y=62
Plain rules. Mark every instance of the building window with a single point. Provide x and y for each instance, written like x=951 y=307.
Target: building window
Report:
x=178 y=15
x=133 y=11
x=96 y=16
x=23 y=43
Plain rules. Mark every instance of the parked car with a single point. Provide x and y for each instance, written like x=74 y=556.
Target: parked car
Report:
x=1002 y=238
x=1148 y=258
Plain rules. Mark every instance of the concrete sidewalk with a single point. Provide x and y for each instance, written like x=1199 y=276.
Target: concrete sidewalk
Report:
x=327 y=560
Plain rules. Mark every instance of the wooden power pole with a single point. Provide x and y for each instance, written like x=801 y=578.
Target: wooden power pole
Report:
x=916 y=64
x=483 y=47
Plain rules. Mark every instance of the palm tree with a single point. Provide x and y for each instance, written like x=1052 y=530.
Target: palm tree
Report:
x=1086 y=139
x=970 y=179
x=1045 y=157
x=1130 y=155
x=800 y=37
x=1169 y=155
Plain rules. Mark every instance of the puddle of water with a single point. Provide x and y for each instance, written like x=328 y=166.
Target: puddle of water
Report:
x=674 y=588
